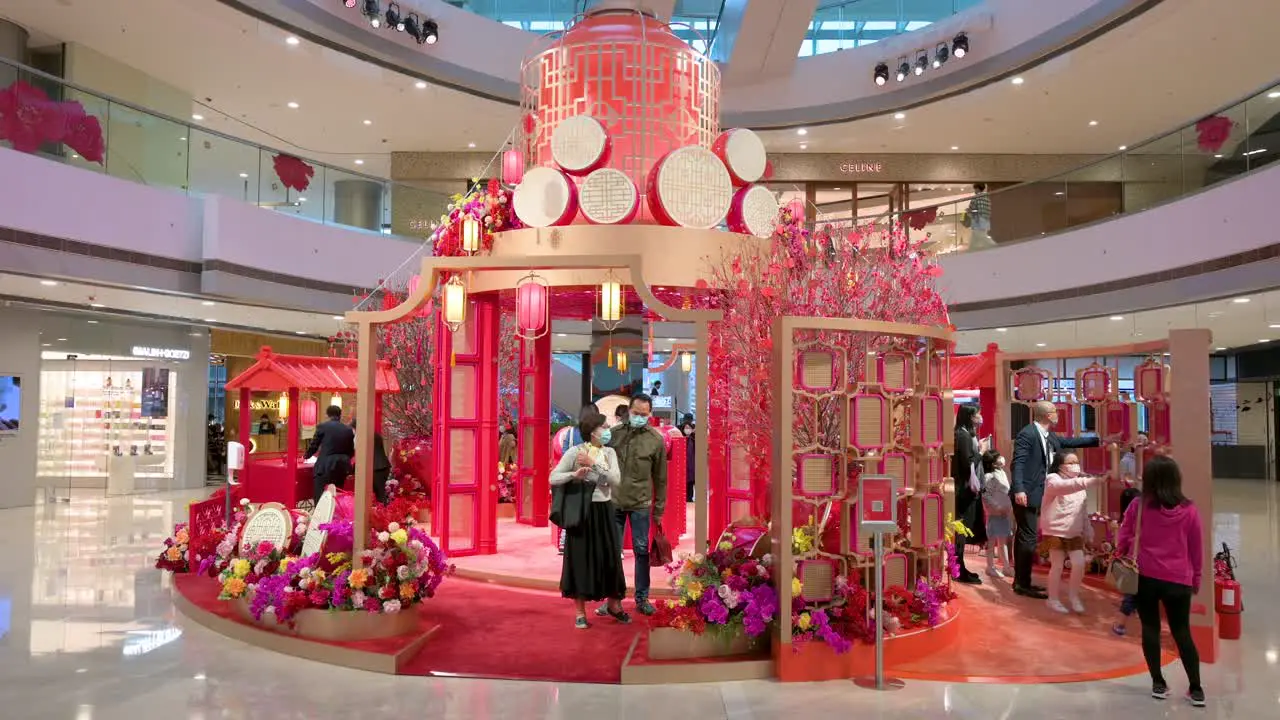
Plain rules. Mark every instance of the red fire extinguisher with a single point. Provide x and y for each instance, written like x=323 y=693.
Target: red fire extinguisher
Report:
x=1227 y=600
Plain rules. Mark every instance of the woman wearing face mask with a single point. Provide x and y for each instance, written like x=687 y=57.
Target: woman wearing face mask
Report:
x=966 y=472
x=1065 y=527
x=592 y=566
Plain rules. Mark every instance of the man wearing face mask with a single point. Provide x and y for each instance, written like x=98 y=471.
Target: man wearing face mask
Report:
x=1033 y=452
x=641 y=498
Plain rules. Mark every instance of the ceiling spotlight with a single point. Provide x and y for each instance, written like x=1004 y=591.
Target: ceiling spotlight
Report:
x=359 y=162
x=803 y=146
x=292 y=40
x=197 y=117
x=471 y=145
x=292 y=105
x=960 y=45
x=882 y=73
x=49 y=283
x=922 y=62
x=904 y=69
x=373 y=11
x=368 y=122
x=802 y=131
x=1124 y=147
x=899 y=116
x=394 y=18
x=941 y=55
x=1002 y=329
x=421 y=85
x=430 y=32
x=1015 y=81
x=1093 y=123
x=413 y=26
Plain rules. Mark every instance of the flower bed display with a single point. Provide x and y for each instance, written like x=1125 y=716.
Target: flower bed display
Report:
x=726 y=594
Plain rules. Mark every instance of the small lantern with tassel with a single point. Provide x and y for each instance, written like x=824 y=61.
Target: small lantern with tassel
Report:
x=686 y=361
x=512 y=167
x=470 y=234
x=532 y=311
x=610 y=310
x=455 y=303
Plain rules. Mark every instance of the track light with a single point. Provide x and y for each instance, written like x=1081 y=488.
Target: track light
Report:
x=882 y=74
x=922 y=62
x=904 y=69
x=960 y=45
x=373 y=11
x=940 y=55
x=413 y=26
x=430 y=32
x=394 y=18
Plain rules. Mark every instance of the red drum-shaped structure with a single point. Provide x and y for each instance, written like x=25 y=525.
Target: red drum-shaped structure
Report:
x=650 y=90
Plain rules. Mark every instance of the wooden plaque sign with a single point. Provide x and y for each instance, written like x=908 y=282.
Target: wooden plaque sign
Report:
x=271 y=523
x=313 y=541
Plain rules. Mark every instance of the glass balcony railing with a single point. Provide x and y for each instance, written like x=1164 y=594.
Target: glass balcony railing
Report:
x=1237 y=139
x=844 y=24
x=154 y=149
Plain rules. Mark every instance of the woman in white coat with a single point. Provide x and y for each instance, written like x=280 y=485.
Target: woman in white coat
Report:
x=592 y=567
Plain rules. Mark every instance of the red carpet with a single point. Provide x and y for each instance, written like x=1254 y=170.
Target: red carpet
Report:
x=497 y=632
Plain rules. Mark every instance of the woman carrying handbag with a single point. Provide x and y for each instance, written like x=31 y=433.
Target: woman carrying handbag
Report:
x=1161 y=531
x=583 y=483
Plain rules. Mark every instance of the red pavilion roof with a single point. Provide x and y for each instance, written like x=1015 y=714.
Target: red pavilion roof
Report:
x=278 y=373
x=973 y=372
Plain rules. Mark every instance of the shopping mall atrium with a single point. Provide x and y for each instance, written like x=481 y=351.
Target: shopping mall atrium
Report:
x=639 y=359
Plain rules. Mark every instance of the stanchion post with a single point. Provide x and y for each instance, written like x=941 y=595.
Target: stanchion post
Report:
x=878 y=515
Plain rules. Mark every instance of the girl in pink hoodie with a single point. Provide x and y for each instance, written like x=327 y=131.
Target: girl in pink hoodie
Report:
x=1165 y=526
x=1064 y=527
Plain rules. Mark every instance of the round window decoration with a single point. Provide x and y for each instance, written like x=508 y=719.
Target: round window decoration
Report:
x=690 y=187
x=743 y=154
x=754 y=211
x=580 y=144
x=545 y=197
x=608 y=197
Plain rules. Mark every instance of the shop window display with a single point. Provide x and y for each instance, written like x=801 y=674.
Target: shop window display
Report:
x=107 y=422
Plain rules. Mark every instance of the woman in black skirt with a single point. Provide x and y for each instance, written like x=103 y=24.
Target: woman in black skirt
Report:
x=592 y=568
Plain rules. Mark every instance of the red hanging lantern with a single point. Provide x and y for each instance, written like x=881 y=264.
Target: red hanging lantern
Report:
x=309 y=413
x=533 y=318
x=512 y=167
x=797 y=209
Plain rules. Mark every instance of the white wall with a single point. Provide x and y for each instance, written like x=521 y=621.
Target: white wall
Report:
x=20 y=355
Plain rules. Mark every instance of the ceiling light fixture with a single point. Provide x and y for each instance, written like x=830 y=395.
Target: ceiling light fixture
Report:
x=1117 y=317
x=209 y=320
x=1124 y=147
x=1002 y=329
x=941 y=55
x=208 y=303
x=881 y=74
x=804 y=146
x=471 y=145
x=802 y=131
x=338 y=317
x=1219 y=349
x=904 y=69
x=1240 y=300
x=244 y=175
x=1264 y=340
x=291 y=40
x=420 y=85
x=292 y=105
x=1273 y=95
x=49 y=283
x=899 y=116
x=922 y=62
x=1274 y=326
x=430 y=32
x=960 y=45
x=955 y=147
x=96 y=305
x=1039 y=344
x=1093 y=123
x=1017 y=81
x=359 y=162
x=373 y=11
x=299 y=332
x=368 y=122
x=394 y=18
x=197 y=117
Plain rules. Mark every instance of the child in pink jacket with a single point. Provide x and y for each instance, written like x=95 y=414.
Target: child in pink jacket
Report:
x=1064 y=527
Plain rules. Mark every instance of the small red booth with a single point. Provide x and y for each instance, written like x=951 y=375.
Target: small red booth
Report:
x=282 y=476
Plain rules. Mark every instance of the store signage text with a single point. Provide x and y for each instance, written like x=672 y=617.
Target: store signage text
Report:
x=161 y=353
x=853 y=168
x=260 y=404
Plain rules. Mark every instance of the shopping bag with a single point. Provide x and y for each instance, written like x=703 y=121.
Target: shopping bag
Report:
x=660 y=549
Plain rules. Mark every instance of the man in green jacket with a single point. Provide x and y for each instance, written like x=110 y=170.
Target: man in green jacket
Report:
x=642 y=497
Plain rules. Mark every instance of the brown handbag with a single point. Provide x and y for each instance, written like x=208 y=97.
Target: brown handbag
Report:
x=1123 y=571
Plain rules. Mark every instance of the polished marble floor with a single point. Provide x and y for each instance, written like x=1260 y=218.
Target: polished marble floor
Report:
x=88 y=632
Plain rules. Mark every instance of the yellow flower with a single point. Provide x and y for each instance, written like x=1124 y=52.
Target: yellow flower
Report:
x=182 y=537
x=401 y=536
x=234 y=587
x=285 y=562
x=726 y=545
x=336 y=558
x=726 y=572
x=318 y=575
x=805 y=621
x=695 y=590
x=359 y=578
x=407 y=591
x=680 y=581
x=240 y=568
x=796 y=587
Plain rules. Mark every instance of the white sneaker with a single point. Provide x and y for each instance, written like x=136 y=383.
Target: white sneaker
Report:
x=1077 y=606
x=1057 y=606
x=995 y=572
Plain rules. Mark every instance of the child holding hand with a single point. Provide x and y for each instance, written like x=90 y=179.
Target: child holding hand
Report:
x=995 y=499
x=1064 y=527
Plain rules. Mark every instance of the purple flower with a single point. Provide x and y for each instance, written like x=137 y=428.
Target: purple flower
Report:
x=713 y=610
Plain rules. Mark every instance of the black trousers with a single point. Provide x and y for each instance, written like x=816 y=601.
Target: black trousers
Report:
x=332 y=470
x=1153 y=593
x=380 y=485
x=1025 y=539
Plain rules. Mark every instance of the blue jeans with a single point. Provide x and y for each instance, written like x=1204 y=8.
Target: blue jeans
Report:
x=639 y=544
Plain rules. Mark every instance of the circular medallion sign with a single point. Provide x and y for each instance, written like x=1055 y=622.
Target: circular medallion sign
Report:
x=580 y=144
x=271 y=523
x=608 y=197
x=754 y=211
x=743 y=154
x=545 y=197
x=313 y=541
x=690 y=187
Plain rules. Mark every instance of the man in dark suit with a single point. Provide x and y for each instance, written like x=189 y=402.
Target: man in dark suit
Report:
x=1033 y=450
x=334 y=445
x=381 y=465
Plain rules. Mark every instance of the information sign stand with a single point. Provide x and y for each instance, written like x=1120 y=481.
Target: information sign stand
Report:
x=878 y=516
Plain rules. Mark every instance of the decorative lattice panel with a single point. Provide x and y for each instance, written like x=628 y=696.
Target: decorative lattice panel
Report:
x=1066 y=418
x=1031 y=384
x=930 y=530
x=1149 y=380
x=897 y=570
x=817 y=475
x=1094 y=384
x=816 y=371
x=869 y=422
x=1158 y=423
x=896 y=370
x=817 y=579
x=929 y=421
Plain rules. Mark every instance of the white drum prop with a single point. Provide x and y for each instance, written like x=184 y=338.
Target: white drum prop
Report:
x=271 y=523
x=689 y=187
x=754 y=211
x=608 y=197
x=580 y=144
x=743 y=154
x=313 y=541
x=545 y=197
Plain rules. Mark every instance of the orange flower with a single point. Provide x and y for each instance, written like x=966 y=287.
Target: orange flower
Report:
x=173 y=554
x=407 y=591
x=235 y=587
x=359 y=578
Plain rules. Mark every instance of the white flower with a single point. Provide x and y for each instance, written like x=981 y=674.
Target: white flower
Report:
x=384 y=536
x=767 y=560
x=392 y=527
x=402 y=572
x=304 y=572
x=244 y=501
x=391 y=606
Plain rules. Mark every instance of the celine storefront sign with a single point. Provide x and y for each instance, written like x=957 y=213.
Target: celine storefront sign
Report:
x=861 y=168
x=161 y=353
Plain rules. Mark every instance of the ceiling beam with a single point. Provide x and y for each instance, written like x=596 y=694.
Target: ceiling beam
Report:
x=761 y=39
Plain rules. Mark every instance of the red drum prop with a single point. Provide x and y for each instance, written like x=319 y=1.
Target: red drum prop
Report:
x=608 y=197
x=545 y=198
x=743 y=155
x=754 y=211
x=690 y=187
x=580 y=144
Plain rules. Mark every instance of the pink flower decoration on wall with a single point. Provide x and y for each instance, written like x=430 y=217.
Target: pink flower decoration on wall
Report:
x=84 y=133
x=918 y=219
x=28 y=118
x=1212 y=132
x=295 y=173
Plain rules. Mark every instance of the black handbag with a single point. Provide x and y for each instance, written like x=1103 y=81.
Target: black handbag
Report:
x=569 y=504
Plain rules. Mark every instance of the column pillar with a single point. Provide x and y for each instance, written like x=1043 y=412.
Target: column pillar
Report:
x=358 y=203
x=13 y=46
